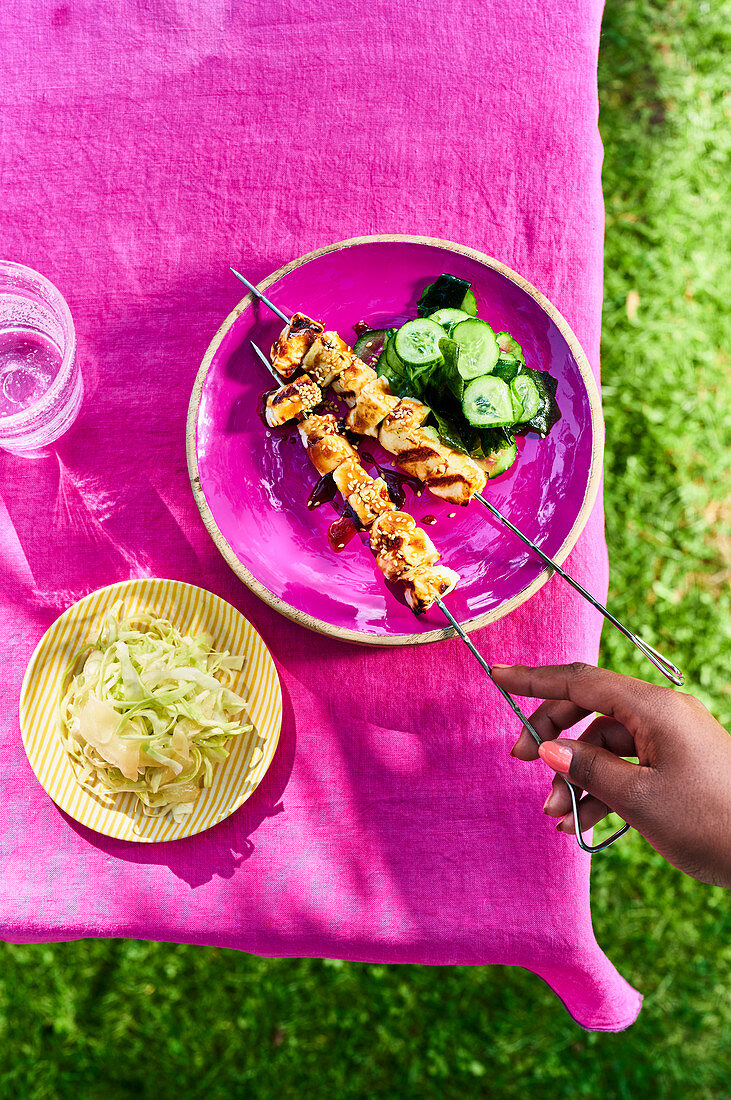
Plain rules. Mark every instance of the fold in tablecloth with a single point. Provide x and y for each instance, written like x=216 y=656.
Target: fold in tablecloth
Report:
x=144 y=148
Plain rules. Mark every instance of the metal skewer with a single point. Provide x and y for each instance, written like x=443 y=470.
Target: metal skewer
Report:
x=483 y=663
x=258 y=294
x=662 y=663
x=266 y=363
x=591 y=848
x=666 y=667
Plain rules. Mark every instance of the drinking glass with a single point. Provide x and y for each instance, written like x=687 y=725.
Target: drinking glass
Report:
x=40 y=381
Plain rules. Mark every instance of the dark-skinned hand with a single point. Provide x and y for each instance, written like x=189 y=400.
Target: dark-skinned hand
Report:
x=678 y=795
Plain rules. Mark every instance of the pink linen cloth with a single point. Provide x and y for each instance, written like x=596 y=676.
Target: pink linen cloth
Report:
x=145 y=147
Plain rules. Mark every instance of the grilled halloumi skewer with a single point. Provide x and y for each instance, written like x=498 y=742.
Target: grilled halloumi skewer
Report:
x=398 y=425
x=372 y=405
x=420 y=452
x=425 y=584
x=404 y=552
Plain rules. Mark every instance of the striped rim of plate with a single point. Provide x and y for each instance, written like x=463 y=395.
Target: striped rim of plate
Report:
x=188 y=608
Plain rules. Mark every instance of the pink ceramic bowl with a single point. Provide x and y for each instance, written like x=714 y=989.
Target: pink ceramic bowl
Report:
x=252 y=486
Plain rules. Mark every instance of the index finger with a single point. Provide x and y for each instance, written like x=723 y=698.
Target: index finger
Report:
x=591 y=688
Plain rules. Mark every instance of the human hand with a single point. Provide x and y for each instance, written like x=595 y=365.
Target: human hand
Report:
x=678 y=795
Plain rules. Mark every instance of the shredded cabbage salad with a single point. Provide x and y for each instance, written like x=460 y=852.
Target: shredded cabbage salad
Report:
x=149 y=710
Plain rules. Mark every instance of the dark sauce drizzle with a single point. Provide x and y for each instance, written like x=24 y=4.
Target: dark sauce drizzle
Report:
x=340 y=532
x=323 y=492
x=342 y=529
x=394 y=479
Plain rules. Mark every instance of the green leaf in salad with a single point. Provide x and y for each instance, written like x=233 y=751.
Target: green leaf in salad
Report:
x=449 y=433
x=507 y=370
x=491 y=441
x=449 y=371
x=421 y=375
x=394 y=371
x=446 y=292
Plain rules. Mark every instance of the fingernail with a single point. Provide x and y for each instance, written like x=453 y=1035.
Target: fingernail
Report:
x=552 y=795
x=557 y=756
x=502 y=666
x=520 y=737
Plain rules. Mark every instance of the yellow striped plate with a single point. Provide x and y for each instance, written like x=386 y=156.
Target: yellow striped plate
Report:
x=188 y=608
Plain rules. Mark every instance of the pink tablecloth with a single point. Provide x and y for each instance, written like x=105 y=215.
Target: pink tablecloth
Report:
x=144 y=148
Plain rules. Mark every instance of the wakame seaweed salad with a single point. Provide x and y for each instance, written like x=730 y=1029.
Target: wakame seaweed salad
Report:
x=476 y=382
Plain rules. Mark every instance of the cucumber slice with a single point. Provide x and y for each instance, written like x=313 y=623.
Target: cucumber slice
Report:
x=469 y=303
x=391 y=357
x=478 y=350
x=548 y=413
x=448 y=317
x=371 y=343
x=500 y=460
x=417 y=342
x=488 y=403
x=381 y=364
x=390 y=367
x=509 y=348
x=528 y=398
x=517 y=406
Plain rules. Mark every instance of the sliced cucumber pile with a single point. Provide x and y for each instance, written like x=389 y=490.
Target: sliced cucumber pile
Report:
x=474 y=380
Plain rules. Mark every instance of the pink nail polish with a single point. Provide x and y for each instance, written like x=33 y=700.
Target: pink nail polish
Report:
x=557 y=755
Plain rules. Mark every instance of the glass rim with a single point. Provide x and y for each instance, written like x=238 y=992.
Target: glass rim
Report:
x=18 y=419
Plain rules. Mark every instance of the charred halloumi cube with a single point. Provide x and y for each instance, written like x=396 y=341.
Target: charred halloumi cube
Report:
x=459 y=480
x=327 y=358
x=292 y=344
x=367 y=496
x=374 y=402
x=408 y=414
x=326 y=444
x=425 y=584
x=353 y=379
x=396 y=433
x=420 y=452
x=292 y=400
x=400 y=546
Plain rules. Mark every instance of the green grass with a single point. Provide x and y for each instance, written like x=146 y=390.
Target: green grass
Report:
x=123 y=1019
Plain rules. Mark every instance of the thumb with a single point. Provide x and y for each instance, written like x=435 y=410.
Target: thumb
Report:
x=609 y=778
